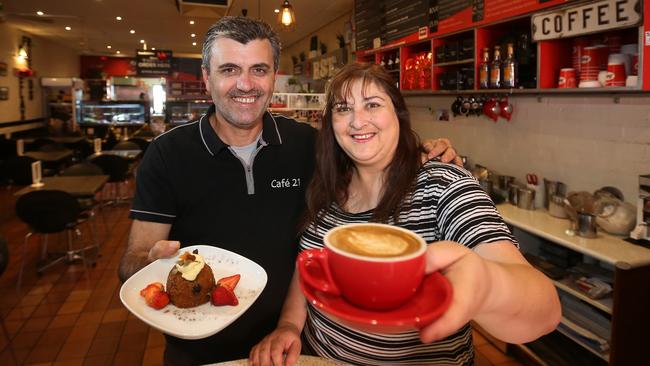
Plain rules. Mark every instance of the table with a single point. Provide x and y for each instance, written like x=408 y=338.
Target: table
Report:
x=49 y=156
x=67 y=140
x=78 y=186
x=127 y=154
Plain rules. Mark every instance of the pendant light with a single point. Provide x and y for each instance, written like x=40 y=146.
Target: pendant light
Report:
x=287 y=17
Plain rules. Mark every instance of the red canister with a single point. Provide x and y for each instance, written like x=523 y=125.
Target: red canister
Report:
x=577 y=51
x=589 y=64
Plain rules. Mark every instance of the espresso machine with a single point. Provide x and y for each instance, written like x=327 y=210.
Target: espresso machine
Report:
x=642 y=230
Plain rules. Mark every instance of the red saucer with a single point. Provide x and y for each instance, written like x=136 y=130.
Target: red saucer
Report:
x=430 y=301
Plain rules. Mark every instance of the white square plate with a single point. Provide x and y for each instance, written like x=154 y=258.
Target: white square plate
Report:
x=204 y=320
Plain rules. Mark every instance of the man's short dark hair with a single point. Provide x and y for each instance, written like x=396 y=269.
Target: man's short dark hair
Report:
x=242 y=30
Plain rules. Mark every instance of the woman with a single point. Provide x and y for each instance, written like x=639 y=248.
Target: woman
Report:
x=368 y=169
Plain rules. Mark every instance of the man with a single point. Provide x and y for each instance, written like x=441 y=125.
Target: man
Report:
x=215 y=181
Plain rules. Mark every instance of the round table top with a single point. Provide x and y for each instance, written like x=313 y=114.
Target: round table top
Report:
x=302 y=361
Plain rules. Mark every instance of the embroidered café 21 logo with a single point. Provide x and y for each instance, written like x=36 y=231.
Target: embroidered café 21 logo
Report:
x=286 y=183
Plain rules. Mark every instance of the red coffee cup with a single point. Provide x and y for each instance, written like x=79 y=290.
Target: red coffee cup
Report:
x=567 y=78
x=349 y=265
x=615 y=75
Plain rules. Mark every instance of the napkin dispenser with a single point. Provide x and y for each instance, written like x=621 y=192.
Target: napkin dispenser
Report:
x=641 y=231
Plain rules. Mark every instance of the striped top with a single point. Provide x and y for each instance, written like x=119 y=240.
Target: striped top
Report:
x=446 y=204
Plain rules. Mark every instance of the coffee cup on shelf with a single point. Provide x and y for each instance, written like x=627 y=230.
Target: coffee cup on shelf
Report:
x=631 y=81
x=602 y=78
x=567 y=78
x=373 y=266
x=615 y=75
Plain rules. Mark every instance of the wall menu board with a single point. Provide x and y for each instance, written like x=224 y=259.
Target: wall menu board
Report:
x=153 y=63
x=445 y=16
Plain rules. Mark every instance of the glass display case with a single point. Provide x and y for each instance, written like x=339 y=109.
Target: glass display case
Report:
x=179 y=112
x=121 y=113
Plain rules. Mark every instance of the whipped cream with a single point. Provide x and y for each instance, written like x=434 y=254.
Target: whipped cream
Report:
x=190 y=270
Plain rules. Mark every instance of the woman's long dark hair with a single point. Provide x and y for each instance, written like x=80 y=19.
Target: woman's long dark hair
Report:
x=334 y=167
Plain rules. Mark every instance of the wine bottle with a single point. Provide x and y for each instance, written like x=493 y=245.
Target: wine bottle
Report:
x=496 y=76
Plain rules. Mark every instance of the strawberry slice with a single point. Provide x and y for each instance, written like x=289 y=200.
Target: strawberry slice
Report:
x=222 y=295
x=158 y=300
x=152 y=288
x=230 y=281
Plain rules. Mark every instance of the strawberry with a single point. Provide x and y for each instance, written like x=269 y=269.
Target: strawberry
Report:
x=158 y=300
x=152 y=288
x=230 y=281
x=222 y=295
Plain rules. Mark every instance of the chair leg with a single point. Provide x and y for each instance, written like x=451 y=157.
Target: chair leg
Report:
x=44 y=247
x=77 y=254
x=22 y=265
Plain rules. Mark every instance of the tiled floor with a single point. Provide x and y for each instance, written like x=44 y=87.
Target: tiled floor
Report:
x=64 y=318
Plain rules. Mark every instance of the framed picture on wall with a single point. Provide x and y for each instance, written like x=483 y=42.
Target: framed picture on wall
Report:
x=3 y=69
x=4 y=93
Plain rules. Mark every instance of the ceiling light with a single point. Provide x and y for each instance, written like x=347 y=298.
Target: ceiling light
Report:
x=40 y=13
x=118 y=18
x=193 y=43
x=118 y=52
x=192 y=35
x=67 y=28
x=276 y=10
x=132 y=31
x=109 y=47
x=153 y=48
x=287 y=17
x=191 y=22
x=142 y=41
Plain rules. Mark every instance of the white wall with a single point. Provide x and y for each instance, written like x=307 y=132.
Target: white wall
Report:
x=50 y=59
x=586 y=142
x=326 y=34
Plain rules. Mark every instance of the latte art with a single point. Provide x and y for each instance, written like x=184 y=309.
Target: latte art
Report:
x=374 y=241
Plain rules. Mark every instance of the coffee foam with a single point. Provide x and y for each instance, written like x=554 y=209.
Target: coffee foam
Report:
x=374 y=242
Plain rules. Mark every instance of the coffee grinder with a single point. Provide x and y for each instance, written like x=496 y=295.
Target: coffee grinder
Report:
x=642 y=231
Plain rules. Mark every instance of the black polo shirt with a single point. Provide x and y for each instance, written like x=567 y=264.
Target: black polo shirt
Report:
x=189 y=178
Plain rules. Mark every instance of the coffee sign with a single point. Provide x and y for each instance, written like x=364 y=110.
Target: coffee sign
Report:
x=153 y=63
x=589 y=18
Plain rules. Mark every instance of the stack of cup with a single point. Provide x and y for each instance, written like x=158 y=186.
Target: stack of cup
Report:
x=590 y=67
x=579 y=45
x=632 y=50
x=567 y=78
x=616 y=69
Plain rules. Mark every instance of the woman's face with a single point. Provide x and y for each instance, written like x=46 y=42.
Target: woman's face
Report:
x=366 y=126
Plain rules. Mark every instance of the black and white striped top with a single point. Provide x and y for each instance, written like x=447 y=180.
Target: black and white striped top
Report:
x=447 y=204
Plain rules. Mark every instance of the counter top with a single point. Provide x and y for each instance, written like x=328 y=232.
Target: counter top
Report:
x=607 y=248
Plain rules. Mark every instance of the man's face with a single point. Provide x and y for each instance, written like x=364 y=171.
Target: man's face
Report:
x=241 y=80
